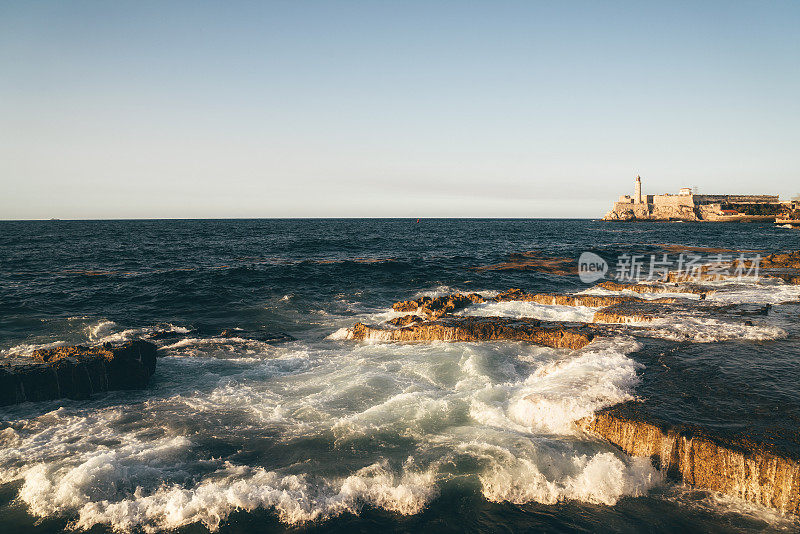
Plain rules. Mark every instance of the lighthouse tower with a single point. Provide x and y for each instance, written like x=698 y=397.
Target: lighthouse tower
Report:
x=637 y=196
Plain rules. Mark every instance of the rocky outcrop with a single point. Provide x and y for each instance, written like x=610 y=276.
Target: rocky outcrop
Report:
x=479 y=329
x=627 y=313
x=789 y=260
x=611 y=285
x=593 y=301
x=76 y=372
x=649 y=212
x=432 y=308
x=405 y=320
x=754 y=472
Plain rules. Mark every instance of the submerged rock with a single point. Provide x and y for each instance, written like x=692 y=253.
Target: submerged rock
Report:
x=480 y=329
x=76 y=372
x=752 y=471
x=534 y=261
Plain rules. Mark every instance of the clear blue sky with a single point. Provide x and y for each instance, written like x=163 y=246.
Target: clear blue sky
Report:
x=280 y=109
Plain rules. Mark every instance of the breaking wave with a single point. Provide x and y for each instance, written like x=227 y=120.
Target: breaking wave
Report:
x=397 y=417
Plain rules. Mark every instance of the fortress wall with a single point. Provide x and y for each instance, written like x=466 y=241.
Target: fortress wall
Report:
x=672 y=201
x=755 y=199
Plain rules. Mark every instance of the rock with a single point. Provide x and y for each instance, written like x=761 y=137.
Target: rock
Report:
x=457 y=328
x=405 y=320
x=621 y=315
x=752 y=471
x=611 y=285
x=433 y=308
x=594 y=301
x=76 y=372
x=410 y=305
x=785 y=259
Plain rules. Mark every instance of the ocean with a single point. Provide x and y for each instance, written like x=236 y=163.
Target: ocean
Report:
x=261 y=417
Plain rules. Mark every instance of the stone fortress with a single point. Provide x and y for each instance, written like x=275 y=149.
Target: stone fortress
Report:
x=688 y=206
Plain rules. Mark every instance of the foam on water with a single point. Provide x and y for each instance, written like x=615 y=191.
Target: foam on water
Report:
x=708 y=330
x=601 y=291
x=545 y=312
x=106 y=332
x=764 y=292
x=397 y=417
x=27 y=348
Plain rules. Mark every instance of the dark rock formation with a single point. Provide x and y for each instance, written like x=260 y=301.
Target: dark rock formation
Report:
x=480 y=329
x=749 y=470
x=76 y=372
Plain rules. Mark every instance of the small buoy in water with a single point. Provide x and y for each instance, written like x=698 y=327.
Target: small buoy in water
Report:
x=417 y=220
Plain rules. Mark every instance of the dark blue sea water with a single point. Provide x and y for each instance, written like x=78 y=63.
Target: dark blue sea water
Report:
x=249 y=433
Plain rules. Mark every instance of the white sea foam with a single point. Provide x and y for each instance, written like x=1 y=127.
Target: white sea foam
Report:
x=708 y=330
x=27 y=348
x=601 y=291
x=220 y=347
x=545 y=312
x=99 y=329
x=105 y=332
x=600 y=478
x=563 y=391
x=398 y=417
x=295 y=499
x=766 y=292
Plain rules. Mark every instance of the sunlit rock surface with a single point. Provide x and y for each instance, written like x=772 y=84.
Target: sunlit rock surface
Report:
x=756 y=471
x=479 y=329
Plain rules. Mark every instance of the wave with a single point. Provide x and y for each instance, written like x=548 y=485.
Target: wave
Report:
x=545 y=312
x=399 y=418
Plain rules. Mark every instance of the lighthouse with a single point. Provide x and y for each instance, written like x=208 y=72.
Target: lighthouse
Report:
x=637 y=195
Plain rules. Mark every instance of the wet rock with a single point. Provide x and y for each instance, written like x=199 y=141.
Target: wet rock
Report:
x=410 y=305
x=753 y=471
x=653 y=288
x=638 y=311
x=789 y=260
x=456 y=328
x=593 y=301
x=76 y=372
x=433 y=308
x=405 y=320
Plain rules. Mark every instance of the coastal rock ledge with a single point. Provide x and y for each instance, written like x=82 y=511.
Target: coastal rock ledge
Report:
x=76 y=372
x=457 y=328
x=754 y=472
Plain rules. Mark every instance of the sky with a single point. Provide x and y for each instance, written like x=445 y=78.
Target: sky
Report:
x=390 y=109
